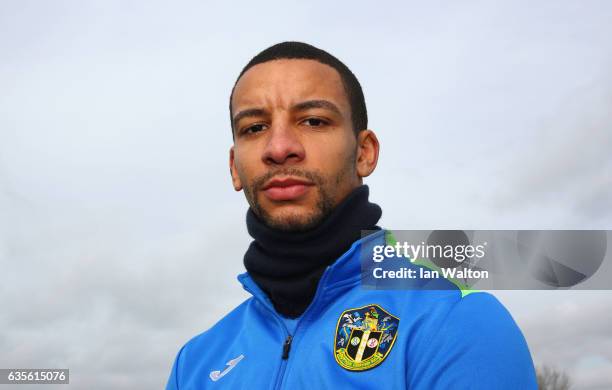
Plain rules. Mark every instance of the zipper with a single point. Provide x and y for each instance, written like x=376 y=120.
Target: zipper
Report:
x=285 y=356
x=287 y=347
x=289 y=339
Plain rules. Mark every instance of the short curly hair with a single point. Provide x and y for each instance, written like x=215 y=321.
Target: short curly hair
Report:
x=300 y=50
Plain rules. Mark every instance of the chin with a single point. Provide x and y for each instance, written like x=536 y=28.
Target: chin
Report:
x=293 y=221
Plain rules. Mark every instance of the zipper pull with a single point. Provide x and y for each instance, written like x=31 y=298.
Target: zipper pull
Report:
x=287 y=347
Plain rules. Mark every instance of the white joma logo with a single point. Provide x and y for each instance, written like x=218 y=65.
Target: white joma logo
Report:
x=216 y=375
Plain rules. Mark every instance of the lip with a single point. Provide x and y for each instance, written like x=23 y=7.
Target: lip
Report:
x=285 y=189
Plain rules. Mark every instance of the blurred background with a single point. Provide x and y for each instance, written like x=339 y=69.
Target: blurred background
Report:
x=121 y=235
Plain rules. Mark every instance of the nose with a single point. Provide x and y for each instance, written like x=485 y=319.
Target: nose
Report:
x=283 y=146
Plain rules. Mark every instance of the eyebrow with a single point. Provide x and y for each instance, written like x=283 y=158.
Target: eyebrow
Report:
x=302 y=106
x=250 y=112
x=325 y=104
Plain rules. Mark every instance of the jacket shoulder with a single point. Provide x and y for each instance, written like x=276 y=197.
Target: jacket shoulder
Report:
x=223 y=326
x=203 y=346
x=475 y=344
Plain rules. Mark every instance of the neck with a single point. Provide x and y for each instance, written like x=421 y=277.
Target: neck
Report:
x=287 y=266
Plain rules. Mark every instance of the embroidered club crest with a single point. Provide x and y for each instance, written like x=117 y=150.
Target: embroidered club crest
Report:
x=364 y=337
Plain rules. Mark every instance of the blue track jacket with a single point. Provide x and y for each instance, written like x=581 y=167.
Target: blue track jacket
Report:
x=355 y=338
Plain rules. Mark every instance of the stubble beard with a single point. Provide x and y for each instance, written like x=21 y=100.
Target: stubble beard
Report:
x=325 y=204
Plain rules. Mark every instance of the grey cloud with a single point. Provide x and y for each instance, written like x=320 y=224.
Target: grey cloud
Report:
x=568 y=160
x=569 y=330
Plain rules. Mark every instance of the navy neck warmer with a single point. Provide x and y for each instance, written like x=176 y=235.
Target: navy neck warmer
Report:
x=287 y=266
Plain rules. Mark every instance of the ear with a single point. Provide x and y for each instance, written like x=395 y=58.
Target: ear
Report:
x=235 y=178
x=367 y=153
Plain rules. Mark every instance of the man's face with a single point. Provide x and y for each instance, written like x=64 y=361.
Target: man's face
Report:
x=294 y=150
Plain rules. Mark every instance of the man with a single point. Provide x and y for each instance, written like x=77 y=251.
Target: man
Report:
x=301 y=150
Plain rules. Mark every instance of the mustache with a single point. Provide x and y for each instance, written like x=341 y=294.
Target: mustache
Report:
x=312 y=176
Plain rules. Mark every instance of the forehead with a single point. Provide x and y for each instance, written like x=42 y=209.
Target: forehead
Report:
x=287 y=81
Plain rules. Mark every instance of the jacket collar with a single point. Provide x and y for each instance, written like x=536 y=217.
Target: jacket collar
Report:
x=344 y=272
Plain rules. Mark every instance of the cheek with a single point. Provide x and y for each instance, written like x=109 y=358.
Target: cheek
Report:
x=243 y=159
x=332 y=154
x=243 y=172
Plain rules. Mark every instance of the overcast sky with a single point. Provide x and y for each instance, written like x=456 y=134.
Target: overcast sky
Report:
x=121 y=235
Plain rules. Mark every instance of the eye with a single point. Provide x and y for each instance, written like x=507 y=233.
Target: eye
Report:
x=315 y=122
x=253 y=129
